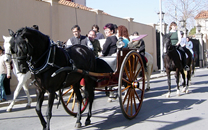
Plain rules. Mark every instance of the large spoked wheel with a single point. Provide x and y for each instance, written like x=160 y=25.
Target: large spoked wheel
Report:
x=131 y=85
x=69 y=100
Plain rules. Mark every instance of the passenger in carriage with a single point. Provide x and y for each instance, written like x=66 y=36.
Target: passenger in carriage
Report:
x=35 y=27
x=175 y=41
x=98 y=34
x=116 y=28
x=122 y=32
x=135 y=34
x=109 y=47
x=77 y=38
x=91 y=38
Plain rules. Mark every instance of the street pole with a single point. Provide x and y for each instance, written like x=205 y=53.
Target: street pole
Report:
x=161 y=40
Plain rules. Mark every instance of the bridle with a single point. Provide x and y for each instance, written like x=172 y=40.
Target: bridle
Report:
x=28 y=58
x=31 y=64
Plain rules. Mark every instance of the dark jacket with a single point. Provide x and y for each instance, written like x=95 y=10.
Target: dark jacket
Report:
x=109 y=47
x=140 y=45
x=75 y=40
x=96 y=45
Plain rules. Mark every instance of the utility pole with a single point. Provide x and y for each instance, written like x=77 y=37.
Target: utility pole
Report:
x=161 y=39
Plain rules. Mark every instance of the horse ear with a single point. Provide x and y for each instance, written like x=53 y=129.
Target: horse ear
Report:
x=4 y=37
x=169 y=35
x=11 y=33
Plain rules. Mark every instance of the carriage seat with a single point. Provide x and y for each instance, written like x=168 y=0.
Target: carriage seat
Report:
x=106 y=64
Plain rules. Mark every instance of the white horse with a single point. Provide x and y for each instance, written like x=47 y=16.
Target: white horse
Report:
x=149 y=69
x=22 y=78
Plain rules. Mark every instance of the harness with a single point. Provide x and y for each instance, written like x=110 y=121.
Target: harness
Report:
x=50 y=60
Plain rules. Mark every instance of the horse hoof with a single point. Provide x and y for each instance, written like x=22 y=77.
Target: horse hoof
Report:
x=87 y=122
x=147 y=89
x=167 y=95
x=183 y=90
x=110 y=100
x=9 y=110
x=78 y=125
x=28 y=106
x=187 y=91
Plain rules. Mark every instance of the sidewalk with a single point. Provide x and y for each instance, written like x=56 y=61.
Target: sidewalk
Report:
x=22 y=98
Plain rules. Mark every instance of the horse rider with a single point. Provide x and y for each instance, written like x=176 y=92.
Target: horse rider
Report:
x=189 y=45
x=175 y=41
x=77 y=38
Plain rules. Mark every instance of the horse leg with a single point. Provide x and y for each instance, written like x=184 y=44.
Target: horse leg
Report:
x=51 y=97
x=90 y=89
x=188 y=79
x=169 y=83
x=76 y=87
x=16 y=92
x=184 y=81
x=40 y=98
x=177 y=74
x=193 y=67
x=148 y=79
x=29 y=99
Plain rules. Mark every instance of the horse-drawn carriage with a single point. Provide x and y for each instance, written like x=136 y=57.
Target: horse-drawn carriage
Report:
x=55 y=68
x=125 y=72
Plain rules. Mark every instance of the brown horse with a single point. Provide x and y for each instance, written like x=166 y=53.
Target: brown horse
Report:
x=172 y=62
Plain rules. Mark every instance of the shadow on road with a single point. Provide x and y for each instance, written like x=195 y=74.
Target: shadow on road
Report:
x=151 y=109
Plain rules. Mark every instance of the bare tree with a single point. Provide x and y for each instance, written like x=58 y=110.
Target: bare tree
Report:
x=176 y=10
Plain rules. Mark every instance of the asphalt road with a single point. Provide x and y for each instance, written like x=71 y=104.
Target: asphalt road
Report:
x=188 y=111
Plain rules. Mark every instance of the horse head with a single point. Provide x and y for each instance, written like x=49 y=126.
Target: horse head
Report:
x=167 y=42
x=24 y=45
x=7 y=47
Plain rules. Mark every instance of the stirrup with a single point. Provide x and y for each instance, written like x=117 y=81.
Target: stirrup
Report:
x=186 y=68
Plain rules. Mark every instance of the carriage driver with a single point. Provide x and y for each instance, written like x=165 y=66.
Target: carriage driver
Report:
x=140 y=45
x=77 y=38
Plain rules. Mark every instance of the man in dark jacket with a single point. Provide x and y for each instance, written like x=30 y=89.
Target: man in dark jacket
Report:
x=77 y=38
x=92 y=43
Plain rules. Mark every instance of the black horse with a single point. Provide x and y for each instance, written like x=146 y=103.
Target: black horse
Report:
x=36 y=51
x=172 y=62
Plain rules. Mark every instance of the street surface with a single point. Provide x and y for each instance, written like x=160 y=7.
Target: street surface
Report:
x=186 y=112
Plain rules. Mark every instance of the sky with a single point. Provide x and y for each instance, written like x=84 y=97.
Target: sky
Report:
x=143 y=11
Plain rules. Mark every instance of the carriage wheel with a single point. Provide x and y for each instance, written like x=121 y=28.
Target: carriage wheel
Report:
x=69 y=100
x=131 y=84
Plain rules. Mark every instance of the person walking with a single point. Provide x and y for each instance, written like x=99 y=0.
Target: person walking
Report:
x=5 y=70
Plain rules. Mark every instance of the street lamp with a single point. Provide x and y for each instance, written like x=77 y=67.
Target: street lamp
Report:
x=198 y=28
x=162 y=16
